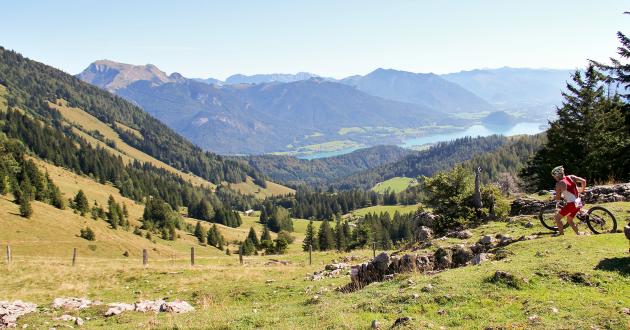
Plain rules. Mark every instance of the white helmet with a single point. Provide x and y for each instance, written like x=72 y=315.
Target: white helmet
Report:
x=557 y=171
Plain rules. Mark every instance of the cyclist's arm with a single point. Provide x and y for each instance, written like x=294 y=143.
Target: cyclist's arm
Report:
x=560 y=187
x=579 y=181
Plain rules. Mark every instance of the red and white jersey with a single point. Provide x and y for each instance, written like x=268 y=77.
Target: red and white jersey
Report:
x=571 y=193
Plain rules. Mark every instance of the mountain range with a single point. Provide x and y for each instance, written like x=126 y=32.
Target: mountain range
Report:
x=283 y=112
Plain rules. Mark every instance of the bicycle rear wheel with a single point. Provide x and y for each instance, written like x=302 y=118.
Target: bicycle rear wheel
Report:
x=546 y=217
x=601 y=221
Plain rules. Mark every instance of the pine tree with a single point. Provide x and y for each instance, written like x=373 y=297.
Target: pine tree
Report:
x=248 y=247
x=310 y=240
x=266 y=234
x=252 y=237
x=200 y=233
x=56 y=199
x=88 y=234
x=26 y=210
x=81 y=203
x=325 y=237
x=589 y=121
x=340 y=237
x=113 y=216
x=263 y=216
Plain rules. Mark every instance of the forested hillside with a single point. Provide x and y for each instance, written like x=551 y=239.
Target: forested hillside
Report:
x=319 y=172
x=439 y=157
x=27 y=87
x=31 y=85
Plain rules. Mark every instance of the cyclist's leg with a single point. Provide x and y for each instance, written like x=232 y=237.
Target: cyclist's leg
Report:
x=559 y=224
x=572 y=224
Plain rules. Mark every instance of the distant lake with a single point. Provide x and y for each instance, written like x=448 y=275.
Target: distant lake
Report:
x=477 y=130
x=473 y=131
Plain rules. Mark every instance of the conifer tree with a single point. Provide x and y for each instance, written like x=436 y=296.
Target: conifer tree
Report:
x=26 y=210
x=266 y=234
x=325 y=237
x=56 y=199
x=200 y=233
x=248 y=247
x=310 y=240
x=263 y=216
x=340 y=236
x=252 y=237
x=81 y=203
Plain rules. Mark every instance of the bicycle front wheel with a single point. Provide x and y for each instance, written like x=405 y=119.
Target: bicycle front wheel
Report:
x=601 y=221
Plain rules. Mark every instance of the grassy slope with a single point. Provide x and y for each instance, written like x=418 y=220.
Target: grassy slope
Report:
x=227 y=295
x=83 y=122
x=384 y=208
x=396 y=184
x=86 y=122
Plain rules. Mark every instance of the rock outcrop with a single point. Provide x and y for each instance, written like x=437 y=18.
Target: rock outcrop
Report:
x=11 y=311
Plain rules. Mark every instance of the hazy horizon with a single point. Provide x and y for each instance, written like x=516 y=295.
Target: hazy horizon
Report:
x=333 y=39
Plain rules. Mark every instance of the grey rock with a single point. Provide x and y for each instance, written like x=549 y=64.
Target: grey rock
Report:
x=480 y=258
x=10 y=312
x=486 y=240
x=178 y=307
x=71 y=303
x=424 y=234
x=443 y=258
x=375 y=324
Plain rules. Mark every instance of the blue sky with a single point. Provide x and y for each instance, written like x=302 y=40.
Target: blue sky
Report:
x=331 y=38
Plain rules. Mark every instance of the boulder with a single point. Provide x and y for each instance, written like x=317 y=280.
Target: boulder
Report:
x=71 y=303
x=148 y=306
x=424 y=234
x=177 y=307
x=443 y=258
x=462 y=234
x=10 y=312
x=461 y=255
x=480 y=258
x=425 y=218
x=486 y=240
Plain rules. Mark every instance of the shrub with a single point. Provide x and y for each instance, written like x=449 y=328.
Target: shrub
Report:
x=88 y=234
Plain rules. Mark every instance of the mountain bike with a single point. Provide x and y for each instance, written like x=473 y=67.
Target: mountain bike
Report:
x=598 y=219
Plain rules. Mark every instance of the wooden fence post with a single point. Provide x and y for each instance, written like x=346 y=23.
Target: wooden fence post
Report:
x=9 y=254
x=192 y=255
x=240 y=254
x=74 y=256
x=145 y=257
x=310 y=254
x=374 y=249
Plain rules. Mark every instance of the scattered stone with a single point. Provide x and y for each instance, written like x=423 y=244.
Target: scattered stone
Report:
x=480 y=258
x=71 y=303
x=401 y=321
x=11 y=311
x=375 y=324
x=415 y=296
x=388 y=277
x=426 y=219
x=441 y=312
x=144 y=306
x=529 y=224
x=79 y=321
x=427 y=288
x=554 y=310
x=177 y=307
x=336 y=266
x=462 y=234
x=331 y=270
x=486 y=240
x=539 y=254
x=625 y=310
x=118 y=308
x=269 y=281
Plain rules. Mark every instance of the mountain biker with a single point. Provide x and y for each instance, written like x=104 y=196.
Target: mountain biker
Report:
x=567 y=188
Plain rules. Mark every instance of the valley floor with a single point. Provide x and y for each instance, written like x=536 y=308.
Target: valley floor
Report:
x=266 y=294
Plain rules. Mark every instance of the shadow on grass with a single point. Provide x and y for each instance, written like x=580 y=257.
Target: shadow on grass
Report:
x=619 y=264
